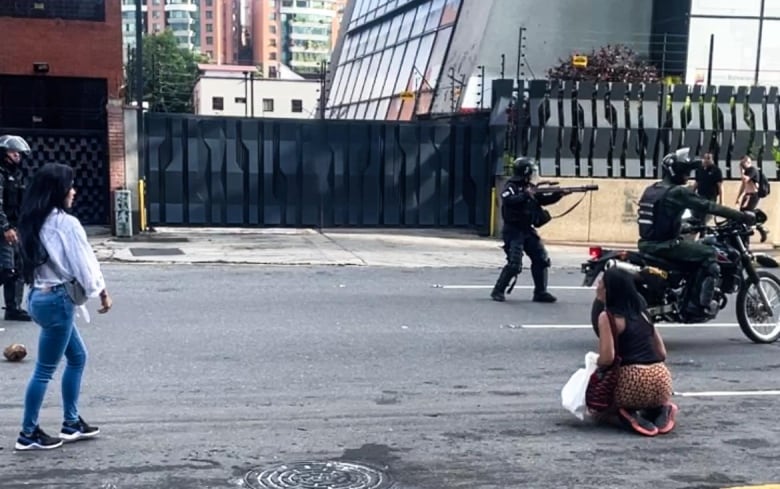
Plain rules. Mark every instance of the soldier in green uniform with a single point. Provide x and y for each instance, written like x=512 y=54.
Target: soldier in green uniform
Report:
x=660 y=221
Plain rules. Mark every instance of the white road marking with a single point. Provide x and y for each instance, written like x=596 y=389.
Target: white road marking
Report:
x=768 y=392
x=551 y=287
x=658 y=325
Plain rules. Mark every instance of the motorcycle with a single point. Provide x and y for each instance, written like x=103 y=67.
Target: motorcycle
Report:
x=665 y=285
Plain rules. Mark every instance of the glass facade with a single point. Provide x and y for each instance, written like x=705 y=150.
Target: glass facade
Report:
x=391 y=59
x=746 y=42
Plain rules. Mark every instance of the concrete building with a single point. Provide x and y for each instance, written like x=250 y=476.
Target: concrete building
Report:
x=746 y=42
x=402 y=59
x=233 y=90
x=61 y=79
x=298 y=33
x=216 y=28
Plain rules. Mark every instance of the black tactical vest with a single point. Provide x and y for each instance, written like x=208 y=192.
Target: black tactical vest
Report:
x=656 y=223
x=517 y=214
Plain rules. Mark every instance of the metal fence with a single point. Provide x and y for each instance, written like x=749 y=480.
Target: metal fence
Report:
x=623 y=130
x=227 y=171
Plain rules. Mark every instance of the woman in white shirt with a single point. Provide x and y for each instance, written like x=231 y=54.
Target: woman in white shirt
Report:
x=55 y=253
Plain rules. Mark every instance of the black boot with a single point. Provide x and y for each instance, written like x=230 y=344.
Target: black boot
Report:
x=13 y=288
x=540 y=286
x=501 y=284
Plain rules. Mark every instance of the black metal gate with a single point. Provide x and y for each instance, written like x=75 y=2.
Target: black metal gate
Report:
x=226 y=171
x=64 y=120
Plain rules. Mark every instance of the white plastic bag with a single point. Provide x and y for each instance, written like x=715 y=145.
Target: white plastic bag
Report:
x=573 y=393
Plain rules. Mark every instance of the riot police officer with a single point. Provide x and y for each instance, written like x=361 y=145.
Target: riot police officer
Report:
x=660 y=212
x=11 y=189
x=522 y=212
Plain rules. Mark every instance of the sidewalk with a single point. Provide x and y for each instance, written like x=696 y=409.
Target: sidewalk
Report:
x=342 y=247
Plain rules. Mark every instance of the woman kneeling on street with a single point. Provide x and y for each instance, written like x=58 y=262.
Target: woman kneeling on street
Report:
x=55 y=252
x=642 y=401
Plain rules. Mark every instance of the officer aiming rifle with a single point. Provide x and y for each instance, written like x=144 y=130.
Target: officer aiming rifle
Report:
x=523 y=212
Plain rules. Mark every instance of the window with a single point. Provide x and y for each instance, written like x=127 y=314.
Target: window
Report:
x=209 y=28
x=209 y=3
x=272 y=72
x=268 y=105
x=240 y=100
x=297 y=105
x=272 y=42
x=217 y=103
x=209 y=14
x=209 y=40
x=272 y=55
x=272 y=29
x=91 y=10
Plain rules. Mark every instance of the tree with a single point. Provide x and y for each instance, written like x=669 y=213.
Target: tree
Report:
x=169 y=73
x=611 y=63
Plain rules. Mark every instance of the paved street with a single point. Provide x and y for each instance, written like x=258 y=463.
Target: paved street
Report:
x=202 y=373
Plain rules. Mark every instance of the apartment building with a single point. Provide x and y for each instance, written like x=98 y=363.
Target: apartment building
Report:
x=211 y=27
x=296 y=33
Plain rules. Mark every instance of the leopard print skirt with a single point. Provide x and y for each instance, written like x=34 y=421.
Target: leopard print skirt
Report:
x=643 y=386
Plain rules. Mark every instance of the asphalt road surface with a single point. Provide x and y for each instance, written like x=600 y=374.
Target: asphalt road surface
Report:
x=201 y=374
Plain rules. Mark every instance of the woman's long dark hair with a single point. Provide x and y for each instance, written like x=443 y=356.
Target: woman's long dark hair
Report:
x=47 y=191
x=622 y=296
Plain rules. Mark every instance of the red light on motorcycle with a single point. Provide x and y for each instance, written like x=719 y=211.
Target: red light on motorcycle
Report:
x=595 y=252
x=623 y=255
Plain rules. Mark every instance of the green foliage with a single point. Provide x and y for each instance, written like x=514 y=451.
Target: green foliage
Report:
x=169 y=73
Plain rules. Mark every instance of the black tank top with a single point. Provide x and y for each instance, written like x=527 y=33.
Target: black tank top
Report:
x=635 y=343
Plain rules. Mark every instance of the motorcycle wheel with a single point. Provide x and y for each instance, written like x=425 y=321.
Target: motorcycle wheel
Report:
x=595 y=311
x=744 y=302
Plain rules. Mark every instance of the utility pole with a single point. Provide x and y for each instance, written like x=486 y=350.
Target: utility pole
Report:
x=139 y=84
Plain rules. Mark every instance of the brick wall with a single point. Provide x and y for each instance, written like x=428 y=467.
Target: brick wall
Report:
x=78 y=49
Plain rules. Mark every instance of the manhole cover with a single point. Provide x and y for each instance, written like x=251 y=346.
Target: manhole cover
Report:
x=155 y=251
x=319 y=475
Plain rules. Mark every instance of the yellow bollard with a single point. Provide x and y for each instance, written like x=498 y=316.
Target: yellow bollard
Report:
x=492 y=212
x=142 y=204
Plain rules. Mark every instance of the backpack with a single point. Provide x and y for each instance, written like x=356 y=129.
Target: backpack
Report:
x=763 y=185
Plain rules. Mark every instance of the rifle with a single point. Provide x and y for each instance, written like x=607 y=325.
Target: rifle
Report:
x=552 y=188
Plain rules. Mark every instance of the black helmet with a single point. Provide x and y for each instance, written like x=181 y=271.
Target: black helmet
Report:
x=678 y=166
x=9 y=142
x=524 y=167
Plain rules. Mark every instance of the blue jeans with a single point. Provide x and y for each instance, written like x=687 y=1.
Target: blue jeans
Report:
x=54 y=312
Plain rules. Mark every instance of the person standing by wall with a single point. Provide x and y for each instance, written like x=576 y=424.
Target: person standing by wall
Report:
x=62 y=270
x=747 y=198
x=11 y=187
x=708 y=184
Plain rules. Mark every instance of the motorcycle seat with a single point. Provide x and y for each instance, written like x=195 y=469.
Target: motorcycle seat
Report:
x=662 y=262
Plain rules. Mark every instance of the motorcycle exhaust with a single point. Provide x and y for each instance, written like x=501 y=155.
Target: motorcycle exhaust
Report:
x=634 y=269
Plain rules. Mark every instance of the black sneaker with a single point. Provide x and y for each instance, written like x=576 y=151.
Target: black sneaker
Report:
x=78 y=431
x=636 y=423
x=17 y=315
x=38 y=440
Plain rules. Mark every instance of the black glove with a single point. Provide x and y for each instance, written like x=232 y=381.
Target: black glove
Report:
x=749 y=217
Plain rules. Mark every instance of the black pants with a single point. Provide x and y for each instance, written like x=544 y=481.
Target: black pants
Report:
x=519 y=241
x=749 y=202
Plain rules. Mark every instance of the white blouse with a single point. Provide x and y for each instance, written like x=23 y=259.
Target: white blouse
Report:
x=70 y=253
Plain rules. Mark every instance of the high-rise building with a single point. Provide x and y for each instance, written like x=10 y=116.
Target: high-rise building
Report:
x=211 y=27
x=297 y=33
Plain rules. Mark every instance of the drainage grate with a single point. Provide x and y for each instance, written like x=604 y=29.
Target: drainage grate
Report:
x=155 y=251
x=319 y=475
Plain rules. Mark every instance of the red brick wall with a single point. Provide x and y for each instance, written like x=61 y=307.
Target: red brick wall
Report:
x=72 y=48
x=78 y=49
